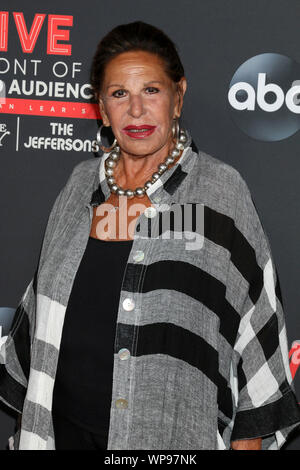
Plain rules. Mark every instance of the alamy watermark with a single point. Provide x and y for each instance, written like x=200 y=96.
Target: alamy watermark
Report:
x=163 y=221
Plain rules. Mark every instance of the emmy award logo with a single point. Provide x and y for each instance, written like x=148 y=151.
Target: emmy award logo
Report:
x=3 y=133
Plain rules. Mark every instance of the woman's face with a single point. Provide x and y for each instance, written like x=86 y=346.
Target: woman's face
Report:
x=139 y=101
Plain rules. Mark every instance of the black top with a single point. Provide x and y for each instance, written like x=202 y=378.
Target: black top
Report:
x=83 y=383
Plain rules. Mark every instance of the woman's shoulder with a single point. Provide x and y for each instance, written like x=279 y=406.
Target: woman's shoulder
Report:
x=220 y=179
x=81 y=177
x=85 y=168
x=217 y=169
x=78 y=183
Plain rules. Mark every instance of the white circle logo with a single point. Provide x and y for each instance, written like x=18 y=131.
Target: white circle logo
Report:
x=264 y=97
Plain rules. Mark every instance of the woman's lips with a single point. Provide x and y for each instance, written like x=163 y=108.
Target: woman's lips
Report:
x=139 y=132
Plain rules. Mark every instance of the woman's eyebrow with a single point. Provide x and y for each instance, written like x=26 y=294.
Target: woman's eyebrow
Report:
x=122 y=86
x=115 y=84
x=153 y=81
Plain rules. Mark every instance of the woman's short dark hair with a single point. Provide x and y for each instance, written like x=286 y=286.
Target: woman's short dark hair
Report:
x=133 y=37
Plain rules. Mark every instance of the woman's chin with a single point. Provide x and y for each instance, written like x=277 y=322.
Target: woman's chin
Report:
x=140 y=148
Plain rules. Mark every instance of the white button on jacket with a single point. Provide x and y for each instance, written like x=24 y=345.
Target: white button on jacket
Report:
x=128 y=304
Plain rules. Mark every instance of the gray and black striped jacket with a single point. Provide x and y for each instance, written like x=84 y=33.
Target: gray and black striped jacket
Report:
x=200 y=313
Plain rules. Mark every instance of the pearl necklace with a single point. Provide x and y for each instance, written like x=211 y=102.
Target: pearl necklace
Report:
x=112 y=159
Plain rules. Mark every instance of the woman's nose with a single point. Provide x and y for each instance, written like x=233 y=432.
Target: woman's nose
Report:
x=136 y=106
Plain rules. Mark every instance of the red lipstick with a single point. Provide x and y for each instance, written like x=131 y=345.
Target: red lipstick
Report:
x=139 y=132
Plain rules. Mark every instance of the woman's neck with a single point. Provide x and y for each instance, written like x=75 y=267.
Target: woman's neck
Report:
x=132 y=170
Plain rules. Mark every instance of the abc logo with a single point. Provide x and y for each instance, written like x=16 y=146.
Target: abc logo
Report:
x=264 y=97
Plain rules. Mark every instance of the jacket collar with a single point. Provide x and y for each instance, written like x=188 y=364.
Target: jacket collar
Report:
x=163 y=188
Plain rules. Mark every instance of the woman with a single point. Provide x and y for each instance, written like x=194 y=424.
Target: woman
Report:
x=139 y=331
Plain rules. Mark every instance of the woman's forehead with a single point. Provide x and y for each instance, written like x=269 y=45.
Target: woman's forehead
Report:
x=136 y=64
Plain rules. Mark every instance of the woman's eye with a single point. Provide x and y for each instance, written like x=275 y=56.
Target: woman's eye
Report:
x=152 y=89
x=118 y=93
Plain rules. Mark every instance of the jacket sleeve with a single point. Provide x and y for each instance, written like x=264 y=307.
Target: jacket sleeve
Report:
x=15 y=351
x=266 y=405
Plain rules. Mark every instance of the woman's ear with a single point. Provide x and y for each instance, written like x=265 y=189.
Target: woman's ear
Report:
x=104 y=116
x=181 y=89
x=182 y=85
